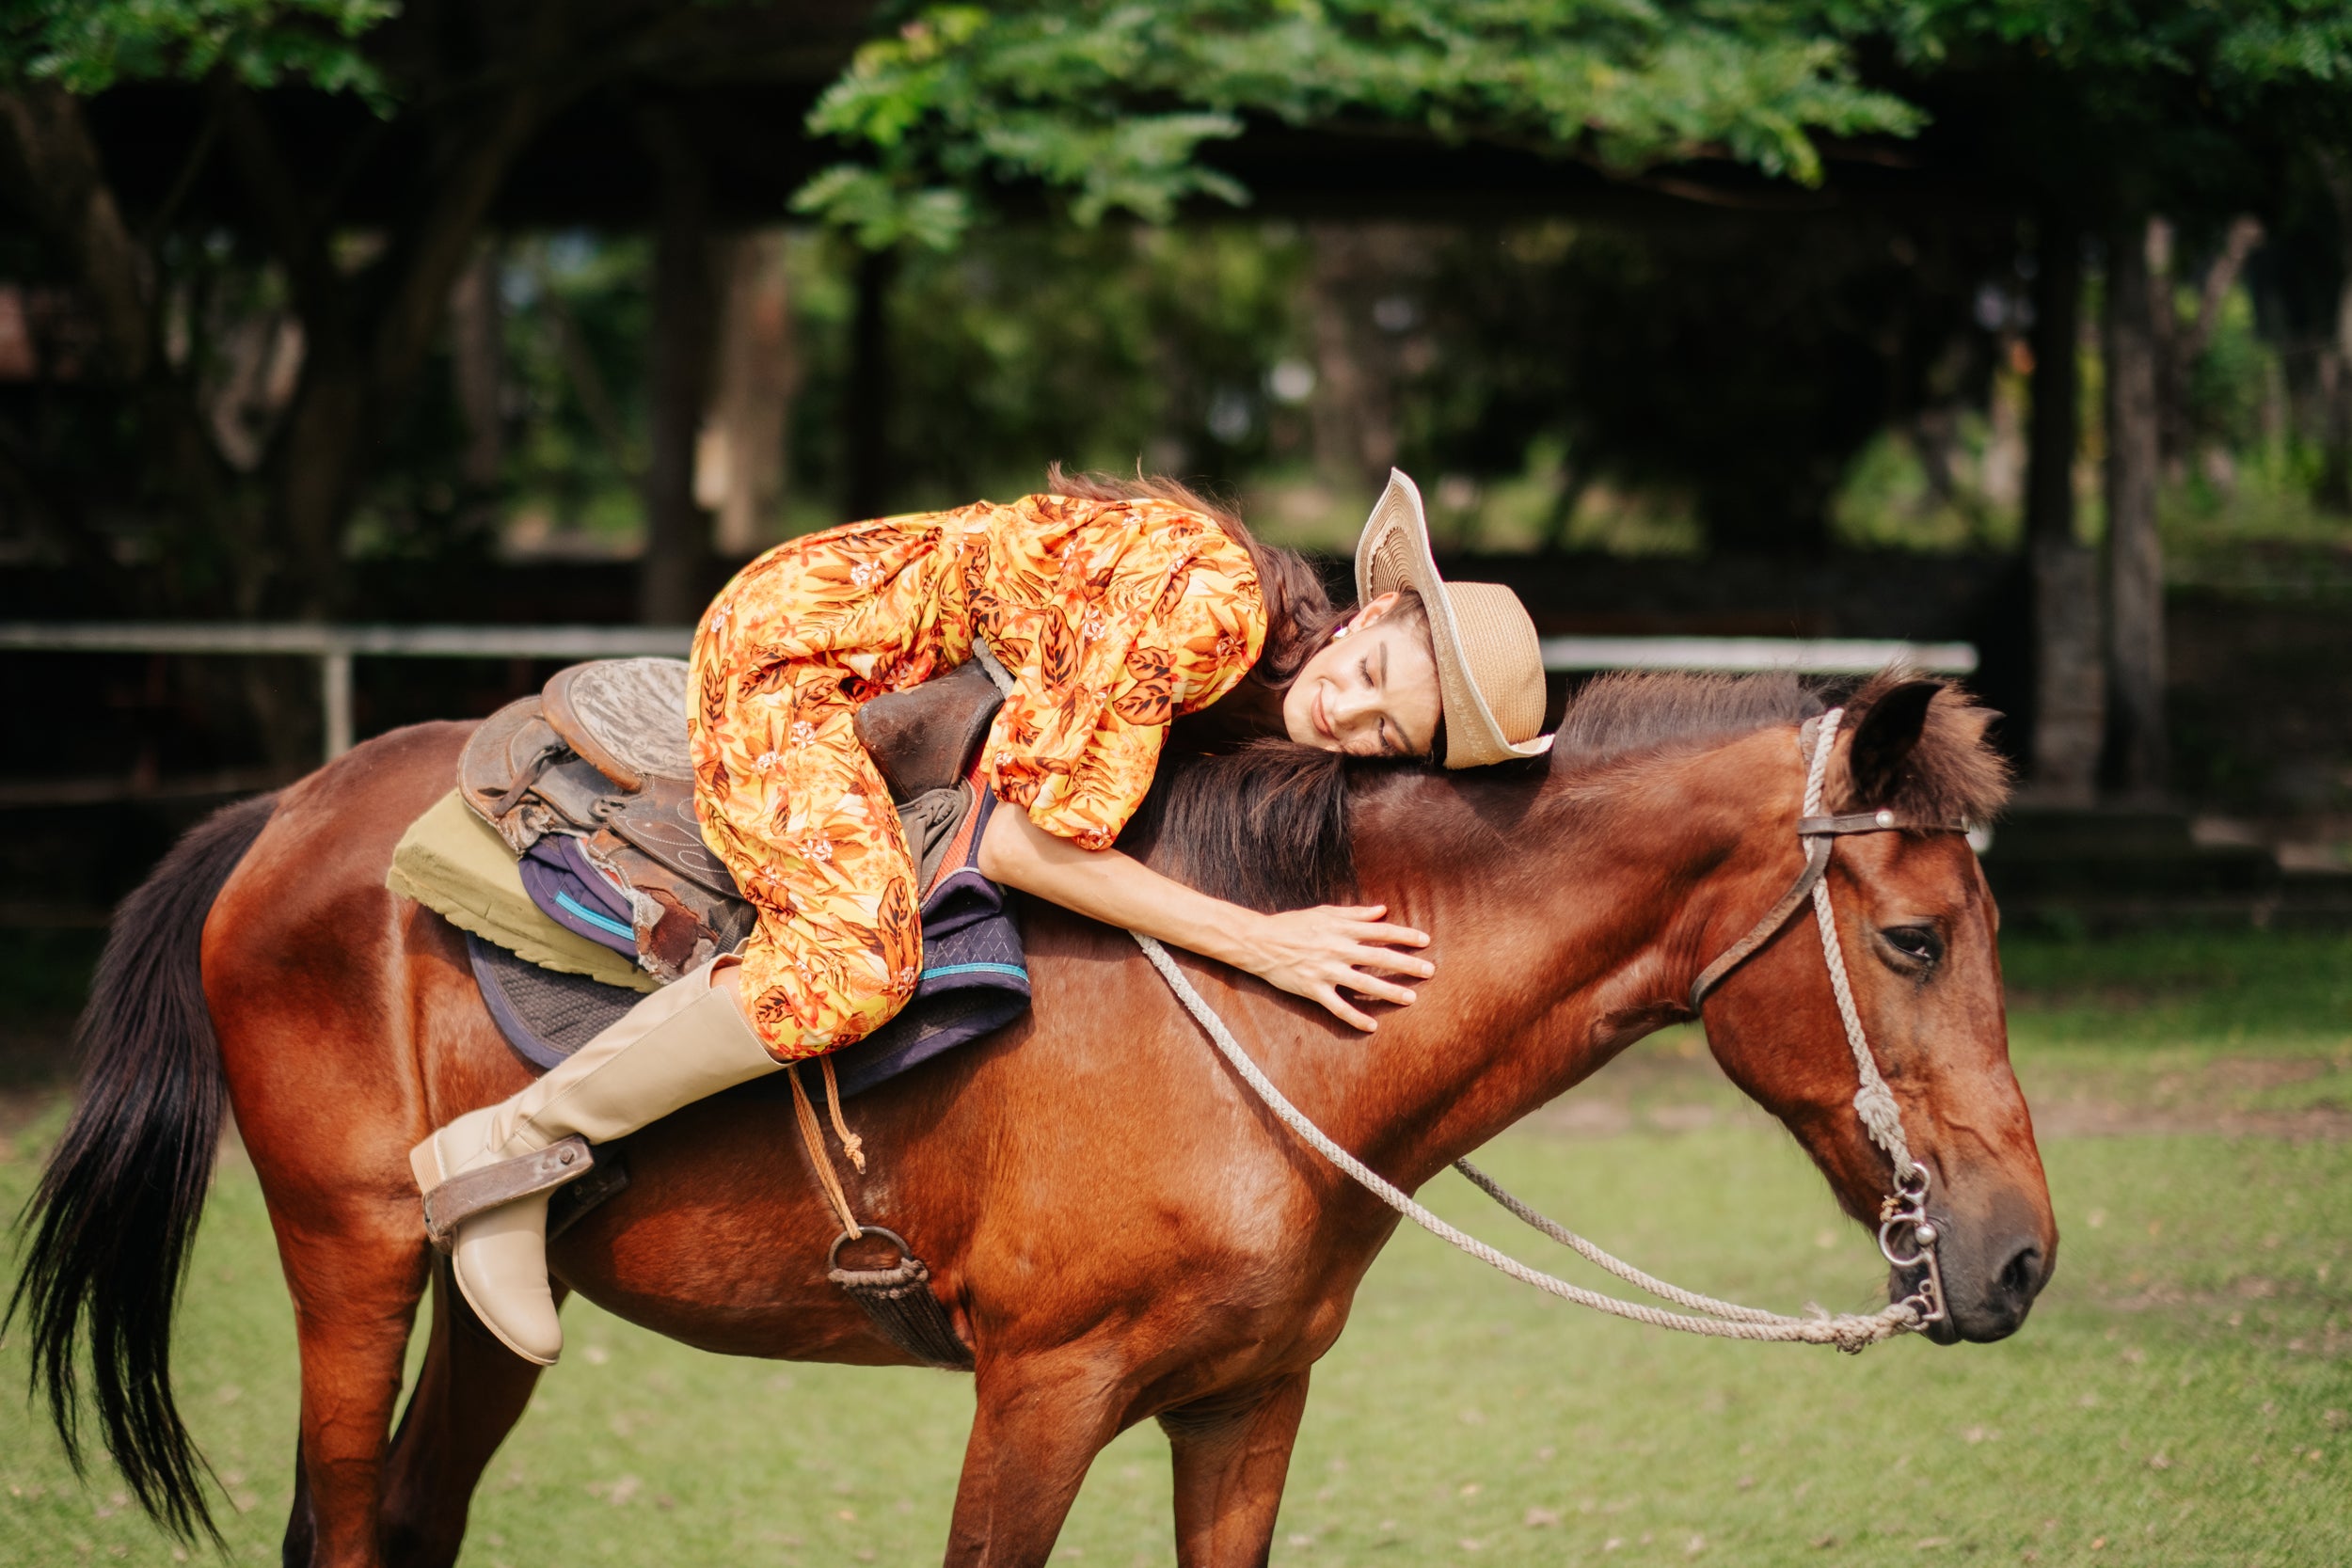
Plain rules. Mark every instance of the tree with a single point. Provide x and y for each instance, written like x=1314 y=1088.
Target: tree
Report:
x=2115 y=115
x=461 y=91
x=1112 y=106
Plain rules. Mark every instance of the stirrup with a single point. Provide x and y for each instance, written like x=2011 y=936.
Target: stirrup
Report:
x=461 y=1197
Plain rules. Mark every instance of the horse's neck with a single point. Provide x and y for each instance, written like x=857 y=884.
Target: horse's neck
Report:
x=1565 y=925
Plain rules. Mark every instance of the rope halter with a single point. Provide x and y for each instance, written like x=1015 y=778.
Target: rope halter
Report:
x=1907 y=1237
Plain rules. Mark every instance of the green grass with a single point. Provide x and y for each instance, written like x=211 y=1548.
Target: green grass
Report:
x=2180 y=1395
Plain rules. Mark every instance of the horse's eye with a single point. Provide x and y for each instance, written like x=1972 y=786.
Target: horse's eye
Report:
x=1919 y=944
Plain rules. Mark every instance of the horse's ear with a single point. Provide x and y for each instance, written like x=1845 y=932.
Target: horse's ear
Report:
x=1884 y=739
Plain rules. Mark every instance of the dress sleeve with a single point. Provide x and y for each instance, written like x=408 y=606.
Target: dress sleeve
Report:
x=1119 y=654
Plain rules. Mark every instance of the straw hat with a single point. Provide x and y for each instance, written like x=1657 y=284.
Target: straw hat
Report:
x=1490 y=671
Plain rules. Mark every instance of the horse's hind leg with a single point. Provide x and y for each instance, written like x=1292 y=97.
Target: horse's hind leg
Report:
x=469 y=1394
x=356 y=1286
x=1231 y=1456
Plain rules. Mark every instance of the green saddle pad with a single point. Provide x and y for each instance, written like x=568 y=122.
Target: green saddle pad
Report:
x=456 y=865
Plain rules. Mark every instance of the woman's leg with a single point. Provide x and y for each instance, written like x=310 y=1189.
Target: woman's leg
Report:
x=685 y=1042
x=792 y=804
x=811 y=836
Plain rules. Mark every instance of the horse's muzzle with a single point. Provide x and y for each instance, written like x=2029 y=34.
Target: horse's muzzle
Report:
x=1987 y=1289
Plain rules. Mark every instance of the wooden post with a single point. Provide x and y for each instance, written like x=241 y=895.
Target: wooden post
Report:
x=685 y=310
x=335 y=700
x=2069 y=684
x=2136 y=754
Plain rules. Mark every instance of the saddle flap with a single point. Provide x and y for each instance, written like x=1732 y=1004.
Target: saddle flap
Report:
x=625 y=717
x=660 y=823
x=923 y=738
x=510 y=748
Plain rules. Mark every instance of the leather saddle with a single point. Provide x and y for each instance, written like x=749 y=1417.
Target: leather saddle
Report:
x=601 y=754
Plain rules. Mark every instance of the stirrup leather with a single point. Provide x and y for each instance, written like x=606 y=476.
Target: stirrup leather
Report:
x=461 y=1197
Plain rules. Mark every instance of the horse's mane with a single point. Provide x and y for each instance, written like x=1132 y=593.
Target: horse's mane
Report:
x=1267 y=825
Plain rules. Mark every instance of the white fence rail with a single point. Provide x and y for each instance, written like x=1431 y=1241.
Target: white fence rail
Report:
x=1817 y=655
x=335 y=646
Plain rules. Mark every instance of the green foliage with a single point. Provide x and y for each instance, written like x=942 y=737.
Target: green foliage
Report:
x=1110 y=104
x=86 y=46
x=2170 y=93
x=2243 y=47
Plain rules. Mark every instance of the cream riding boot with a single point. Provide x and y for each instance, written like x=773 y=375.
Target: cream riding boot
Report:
x=684 y=1043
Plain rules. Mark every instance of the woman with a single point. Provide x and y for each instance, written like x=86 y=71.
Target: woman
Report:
x=1119 y=609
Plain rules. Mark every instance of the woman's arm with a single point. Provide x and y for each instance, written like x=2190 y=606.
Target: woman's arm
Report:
x=1311 y=953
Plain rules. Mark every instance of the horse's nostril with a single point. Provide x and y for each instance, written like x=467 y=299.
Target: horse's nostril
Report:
x=2020 y=1276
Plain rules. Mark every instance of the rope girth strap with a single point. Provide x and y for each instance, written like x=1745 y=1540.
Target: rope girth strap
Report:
x=1902 y=1216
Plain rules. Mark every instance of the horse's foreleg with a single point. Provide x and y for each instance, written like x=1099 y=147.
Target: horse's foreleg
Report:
x=1231 y=1455
x=1040 y=1424
x=470 y=1393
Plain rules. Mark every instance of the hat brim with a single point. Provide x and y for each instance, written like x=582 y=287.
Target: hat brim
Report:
x=1394 y=553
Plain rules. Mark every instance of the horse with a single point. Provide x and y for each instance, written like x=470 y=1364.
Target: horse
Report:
x=1116 y=1230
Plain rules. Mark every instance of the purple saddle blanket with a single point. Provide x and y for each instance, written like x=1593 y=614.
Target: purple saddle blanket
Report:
x=975 y=977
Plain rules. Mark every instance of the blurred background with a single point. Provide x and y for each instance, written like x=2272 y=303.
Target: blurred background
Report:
x=2009 y=325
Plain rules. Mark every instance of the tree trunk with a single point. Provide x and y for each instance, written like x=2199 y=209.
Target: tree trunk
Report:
x=478 y=363
x=1352 y=419
x=742 y=470
x=2069 y=686
x=685 y=312
x=2182 y=344
x=2334 y=491
x=50 y=165
x=866 y=418
x=2136 y=754
x=319 y=456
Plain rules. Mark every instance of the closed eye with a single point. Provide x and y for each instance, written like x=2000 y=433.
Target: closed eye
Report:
x=1392 y=743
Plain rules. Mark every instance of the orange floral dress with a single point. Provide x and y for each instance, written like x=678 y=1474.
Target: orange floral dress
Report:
x=1113 y=617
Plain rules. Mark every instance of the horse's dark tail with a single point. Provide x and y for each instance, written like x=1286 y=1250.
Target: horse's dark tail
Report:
x=116 y=1210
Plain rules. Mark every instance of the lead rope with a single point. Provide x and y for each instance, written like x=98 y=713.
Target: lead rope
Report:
x=1848 y=1332
x=1873 y=1101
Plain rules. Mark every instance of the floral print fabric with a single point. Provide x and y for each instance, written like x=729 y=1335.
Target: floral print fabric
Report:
x=1113 y=617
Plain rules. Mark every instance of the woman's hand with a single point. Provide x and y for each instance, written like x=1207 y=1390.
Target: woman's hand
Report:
x=1315 y=953
x=1321 y=952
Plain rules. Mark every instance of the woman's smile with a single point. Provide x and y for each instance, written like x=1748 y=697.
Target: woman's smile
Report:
x=1371 y=690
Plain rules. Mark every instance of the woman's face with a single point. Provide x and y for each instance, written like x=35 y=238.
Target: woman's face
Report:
x=1370 y=692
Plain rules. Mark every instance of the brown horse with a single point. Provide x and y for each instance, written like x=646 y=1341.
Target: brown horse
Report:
x=1118 y=1228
